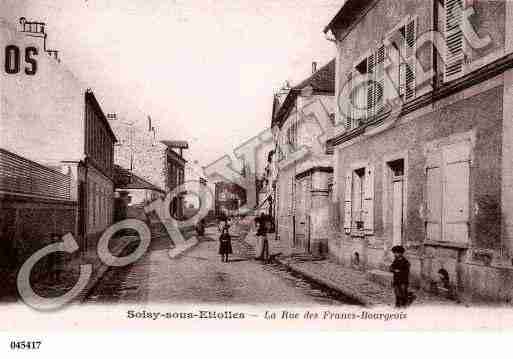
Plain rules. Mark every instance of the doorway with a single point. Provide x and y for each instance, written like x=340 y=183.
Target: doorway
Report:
x=396 y=200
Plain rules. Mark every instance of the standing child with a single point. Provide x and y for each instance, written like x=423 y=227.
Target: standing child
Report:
x=225 y=242
x=401 y=269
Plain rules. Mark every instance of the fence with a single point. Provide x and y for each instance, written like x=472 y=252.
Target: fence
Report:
x=21 y=176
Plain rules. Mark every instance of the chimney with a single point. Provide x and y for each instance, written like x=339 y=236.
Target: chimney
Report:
x=314 y=67
x=149 y=124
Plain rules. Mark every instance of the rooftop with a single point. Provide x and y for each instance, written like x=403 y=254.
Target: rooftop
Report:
x=321 y=82
x=125 y=179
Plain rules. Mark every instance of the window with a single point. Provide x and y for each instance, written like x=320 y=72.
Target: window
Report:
x=406 y=46
x=292 y=136
x=368 y=98
x=359 y=201
x=358 y=198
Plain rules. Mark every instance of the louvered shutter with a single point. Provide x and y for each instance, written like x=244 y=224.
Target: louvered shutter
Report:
x=371 y=66
x=379 y=84
x=453 y=32
x=411 y=49
x=347 y=202
x=368 y=201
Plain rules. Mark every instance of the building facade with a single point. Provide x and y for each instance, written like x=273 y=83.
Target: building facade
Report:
x=141 y=152
x=299 y=168
x=229 y=197
x=96 y=172
x=423 y=138
x=49 y=116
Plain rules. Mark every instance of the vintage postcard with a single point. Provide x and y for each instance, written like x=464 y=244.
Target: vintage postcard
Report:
x=279 y=165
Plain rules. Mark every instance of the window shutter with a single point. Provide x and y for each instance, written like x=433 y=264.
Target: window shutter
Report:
x=456 y=189
x=347 y=202
x=454 y=55
x=411 y=50
x=368 y=210
x=379 y=84
x=434 y=193
x=371 y=66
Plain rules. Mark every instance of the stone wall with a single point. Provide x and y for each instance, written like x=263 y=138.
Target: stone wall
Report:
x=138 y=147
x=476 y=111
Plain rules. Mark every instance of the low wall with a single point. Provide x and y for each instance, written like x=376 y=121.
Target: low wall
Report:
x=474 y=281
x=28 y=224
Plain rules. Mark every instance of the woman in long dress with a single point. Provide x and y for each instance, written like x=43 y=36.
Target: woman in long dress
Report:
x=225 y=242
x=262 y=244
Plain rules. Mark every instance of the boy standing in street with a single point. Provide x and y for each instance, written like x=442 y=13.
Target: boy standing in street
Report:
x=401 y=269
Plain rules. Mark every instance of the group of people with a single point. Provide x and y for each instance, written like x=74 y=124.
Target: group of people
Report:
x=400 y=266
x=262 y=223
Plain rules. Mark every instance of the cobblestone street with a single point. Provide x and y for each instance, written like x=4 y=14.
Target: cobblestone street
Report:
x=199 y=276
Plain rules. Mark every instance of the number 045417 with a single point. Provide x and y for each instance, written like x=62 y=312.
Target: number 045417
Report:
x=25 y=345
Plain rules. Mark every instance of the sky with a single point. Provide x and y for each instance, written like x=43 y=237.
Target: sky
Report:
x=205 y=71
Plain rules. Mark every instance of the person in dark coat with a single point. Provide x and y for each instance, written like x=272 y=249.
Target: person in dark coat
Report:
x=262 y=252
x=401 y=269
x=225 y=242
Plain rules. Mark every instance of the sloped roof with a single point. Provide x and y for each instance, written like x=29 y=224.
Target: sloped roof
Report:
x=125 y=179
x=351 y=12
x=89 y=96
x=322 y=81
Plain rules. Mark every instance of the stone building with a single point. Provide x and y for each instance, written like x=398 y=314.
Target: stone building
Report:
x=141 y=152
x=300 y=169
x=423 y=140
x=49 y=116
x=229 y=197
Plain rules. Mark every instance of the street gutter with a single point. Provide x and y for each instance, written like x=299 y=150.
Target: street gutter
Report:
x=363 y=300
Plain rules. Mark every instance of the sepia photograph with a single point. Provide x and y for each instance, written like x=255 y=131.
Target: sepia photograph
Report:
x=327 y=165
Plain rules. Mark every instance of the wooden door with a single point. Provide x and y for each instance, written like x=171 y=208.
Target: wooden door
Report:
x=300 y=215
x=397 y=210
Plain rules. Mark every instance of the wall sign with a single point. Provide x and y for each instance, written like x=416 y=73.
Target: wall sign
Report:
x=13 y=60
